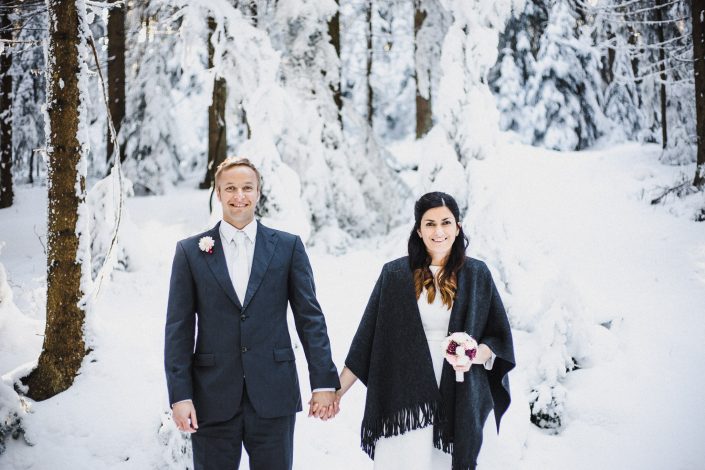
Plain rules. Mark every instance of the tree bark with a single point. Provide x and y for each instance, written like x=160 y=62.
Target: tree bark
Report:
x=370 y=95
x=698 y=16
x=334 y=32
x=424 y=117
x=116 y=73
x=6 y=190
x=64 y=347
x=217 y=140
x=662 y=74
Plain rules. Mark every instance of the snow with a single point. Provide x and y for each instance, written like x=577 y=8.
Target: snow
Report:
x=587 y=268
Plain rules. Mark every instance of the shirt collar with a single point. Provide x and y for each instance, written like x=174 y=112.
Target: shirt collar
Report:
x=228 y=231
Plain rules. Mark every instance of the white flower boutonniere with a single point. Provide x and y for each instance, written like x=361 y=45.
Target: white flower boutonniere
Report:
x=206 y=244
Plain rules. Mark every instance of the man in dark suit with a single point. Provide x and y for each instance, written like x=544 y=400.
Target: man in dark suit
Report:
x=228 y=356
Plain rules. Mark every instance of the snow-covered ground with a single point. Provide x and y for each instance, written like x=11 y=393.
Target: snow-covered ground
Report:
x=585 y=266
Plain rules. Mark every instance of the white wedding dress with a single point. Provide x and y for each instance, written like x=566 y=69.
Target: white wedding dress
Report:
x=414 y=450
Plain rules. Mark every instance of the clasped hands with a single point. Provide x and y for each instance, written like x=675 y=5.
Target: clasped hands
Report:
x=324 y=405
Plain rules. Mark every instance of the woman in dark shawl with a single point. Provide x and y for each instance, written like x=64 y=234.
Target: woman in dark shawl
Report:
x=417 y=416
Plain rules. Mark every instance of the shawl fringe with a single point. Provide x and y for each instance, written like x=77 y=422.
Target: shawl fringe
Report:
x=403 y=420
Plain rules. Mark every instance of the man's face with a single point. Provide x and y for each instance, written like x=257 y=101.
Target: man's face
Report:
x=238 y=193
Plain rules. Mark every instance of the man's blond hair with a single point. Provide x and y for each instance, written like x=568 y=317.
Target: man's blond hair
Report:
x=231 y=162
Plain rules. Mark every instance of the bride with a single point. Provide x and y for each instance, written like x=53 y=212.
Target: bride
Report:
x=417 y=416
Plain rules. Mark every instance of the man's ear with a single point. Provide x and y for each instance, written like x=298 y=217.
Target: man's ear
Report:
x=217 y=193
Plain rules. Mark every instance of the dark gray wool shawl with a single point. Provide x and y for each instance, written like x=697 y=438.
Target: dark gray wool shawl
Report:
x=390 y=355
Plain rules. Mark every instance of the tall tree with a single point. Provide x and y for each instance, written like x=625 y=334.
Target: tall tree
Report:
x=424 y=117
x=116 y=71
x=334 y=33
x=659 y=27
x=698 y=17
x=368 y=74
x=64 y=347
x=217 y=140
x=6 y=192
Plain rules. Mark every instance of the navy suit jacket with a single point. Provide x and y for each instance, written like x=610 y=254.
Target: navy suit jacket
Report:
x=216 y=344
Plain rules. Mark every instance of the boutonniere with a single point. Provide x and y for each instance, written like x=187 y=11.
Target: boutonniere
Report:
x=206 y=244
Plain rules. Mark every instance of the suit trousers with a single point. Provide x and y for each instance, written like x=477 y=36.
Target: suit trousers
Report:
x=269 y=442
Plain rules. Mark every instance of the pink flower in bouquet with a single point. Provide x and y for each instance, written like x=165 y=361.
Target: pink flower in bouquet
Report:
x=459 y=349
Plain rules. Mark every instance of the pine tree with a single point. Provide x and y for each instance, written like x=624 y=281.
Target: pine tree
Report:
x=6 y=33
x=116 y=72
x=29 y=95
x=698 y=20
x=565 y=91
x=621 y=95
x=153 y=146
x=67 y=238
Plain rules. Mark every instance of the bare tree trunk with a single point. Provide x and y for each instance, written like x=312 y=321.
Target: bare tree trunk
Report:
x=424 y=118
x=116 y=72
x=370 y=96
x=698 y=15
x=217 y=140
x=6 y=191
x=334 y=32
x=662 y=70
x=64 y=347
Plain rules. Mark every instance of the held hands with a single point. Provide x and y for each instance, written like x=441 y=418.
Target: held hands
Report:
x=184 y=415
x=324 y=405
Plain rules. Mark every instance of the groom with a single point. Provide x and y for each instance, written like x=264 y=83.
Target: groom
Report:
x=230 y=365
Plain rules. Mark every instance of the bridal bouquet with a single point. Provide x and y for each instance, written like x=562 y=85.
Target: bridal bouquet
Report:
x=459 y=349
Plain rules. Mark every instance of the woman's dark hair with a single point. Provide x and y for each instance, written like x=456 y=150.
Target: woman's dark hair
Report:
x=419 y=259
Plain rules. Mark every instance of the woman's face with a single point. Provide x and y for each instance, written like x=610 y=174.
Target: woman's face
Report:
x=438 y=230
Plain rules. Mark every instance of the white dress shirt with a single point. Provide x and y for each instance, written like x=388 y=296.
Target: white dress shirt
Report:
x=228 y=234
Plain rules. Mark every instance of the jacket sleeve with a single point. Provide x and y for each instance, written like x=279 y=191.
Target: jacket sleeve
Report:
x=180 y=329
x=498 y=337
x=310 y=322
x=358 y=359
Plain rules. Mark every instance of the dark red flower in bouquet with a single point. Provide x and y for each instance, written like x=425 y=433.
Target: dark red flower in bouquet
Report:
x=452 y=346
x=471 y=353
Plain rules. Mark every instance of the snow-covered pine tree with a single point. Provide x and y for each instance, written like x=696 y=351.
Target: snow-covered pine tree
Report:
x=153 y=148
x=466 y=108
x=393 y=68
x=431 y=24
x=622 y=96
x=332 y=174
x=29 y=95
x=510 y=92
x=656 y=36
x=565 y=92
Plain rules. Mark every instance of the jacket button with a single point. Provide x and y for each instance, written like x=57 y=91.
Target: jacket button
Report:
x=242 y=317
x=244 y=349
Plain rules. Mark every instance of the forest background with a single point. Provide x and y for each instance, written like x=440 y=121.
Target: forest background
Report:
x=351 y=109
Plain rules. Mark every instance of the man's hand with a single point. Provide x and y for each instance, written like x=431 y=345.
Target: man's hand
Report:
x=322 y=405
x=184 y=415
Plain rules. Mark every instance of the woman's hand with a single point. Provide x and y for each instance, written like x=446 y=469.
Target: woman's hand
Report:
x=484 y=353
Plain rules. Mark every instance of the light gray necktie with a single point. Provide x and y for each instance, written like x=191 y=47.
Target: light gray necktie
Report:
x=241 y=266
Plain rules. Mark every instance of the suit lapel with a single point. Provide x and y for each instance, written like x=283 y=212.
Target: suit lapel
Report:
x=217 y=264
x=264 y=250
